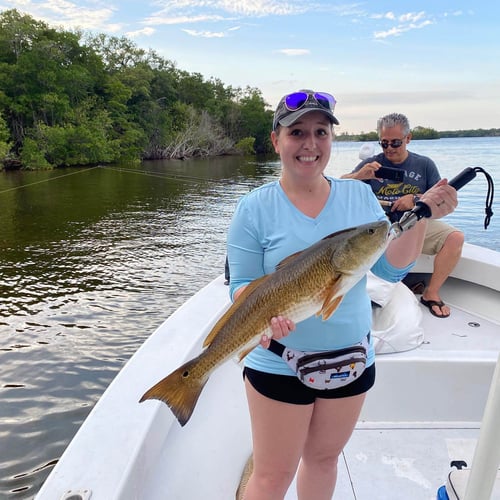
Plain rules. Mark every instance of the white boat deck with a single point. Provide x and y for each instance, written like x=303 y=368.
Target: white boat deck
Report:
x=424 y=411
x=409 y=458
x=403 y=444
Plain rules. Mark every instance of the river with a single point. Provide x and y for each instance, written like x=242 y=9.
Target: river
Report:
x=93 y=260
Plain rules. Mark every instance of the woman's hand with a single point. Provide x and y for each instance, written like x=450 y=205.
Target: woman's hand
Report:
x=280 y=328
x=441 y=199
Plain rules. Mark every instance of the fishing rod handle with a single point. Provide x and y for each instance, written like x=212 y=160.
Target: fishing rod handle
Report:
x=460 y=180
x=422 y=210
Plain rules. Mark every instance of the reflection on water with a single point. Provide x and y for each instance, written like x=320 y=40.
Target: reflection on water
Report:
x=91 y=264
x=92 y=261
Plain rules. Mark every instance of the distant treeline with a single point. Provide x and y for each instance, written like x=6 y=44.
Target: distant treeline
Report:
x=69 y=98
x=420 y=133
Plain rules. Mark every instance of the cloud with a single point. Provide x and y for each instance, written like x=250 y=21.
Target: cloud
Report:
x=260 y=8
x=69 y=14
x=398 y=30
x=247 y=8
x=189 y=12
x=205 y=34
x=159 y=20
x=143 y=32
x=456 y=13
x=411 y=17
x=294 y=52
x=406 y=22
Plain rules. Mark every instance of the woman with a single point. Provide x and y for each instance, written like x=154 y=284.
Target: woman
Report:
x=293 y=425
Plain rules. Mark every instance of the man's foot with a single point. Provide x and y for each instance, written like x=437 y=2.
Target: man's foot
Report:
x=436 y=307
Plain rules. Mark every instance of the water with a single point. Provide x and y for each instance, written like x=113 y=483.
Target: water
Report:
x=93 y=260
x=451 y=156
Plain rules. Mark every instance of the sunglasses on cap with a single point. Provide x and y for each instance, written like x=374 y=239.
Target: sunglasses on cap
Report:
x=297 y=100
x=395 y=143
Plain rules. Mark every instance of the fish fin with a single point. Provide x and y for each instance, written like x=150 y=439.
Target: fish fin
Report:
x=180 y=391
x=243 y=353
x=223 y=319
x=331 y=302
x=329 y=307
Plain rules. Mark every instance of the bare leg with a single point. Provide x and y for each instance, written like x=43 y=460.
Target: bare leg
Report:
x=444 y=263
x=279 y=431
x=284 y=432
x=331 y=427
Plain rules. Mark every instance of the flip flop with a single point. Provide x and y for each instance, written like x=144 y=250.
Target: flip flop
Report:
x=431 y=303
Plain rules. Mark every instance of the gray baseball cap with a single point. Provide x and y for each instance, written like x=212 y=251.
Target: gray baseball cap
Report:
x=293 y=106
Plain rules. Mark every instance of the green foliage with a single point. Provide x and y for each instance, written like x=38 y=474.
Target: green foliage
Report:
x=246 y=146
x=70 y=99
x=424 y=133
x=256 y=120
x=481 y=132
x=32 y=157
x=4 y=139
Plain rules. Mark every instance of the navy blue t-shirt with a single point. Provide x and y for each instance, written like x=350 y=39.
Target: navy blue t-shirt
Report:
x=420 y=174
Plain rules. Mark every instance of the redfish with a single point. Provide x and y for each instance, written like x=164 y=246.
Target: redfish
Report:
x=312 y=281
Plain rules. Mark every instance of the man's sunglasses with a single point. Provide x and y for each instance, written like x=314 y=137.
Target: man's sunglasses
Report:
x=297 y=100
x=395 y=143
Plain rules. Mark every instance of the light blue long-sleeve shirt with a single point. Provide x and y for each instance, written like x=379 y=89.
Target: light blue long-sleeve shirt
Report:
x=267 y=227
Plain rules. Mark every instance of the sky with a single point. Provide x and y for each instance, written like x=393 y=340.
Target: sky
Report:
x=438 y=62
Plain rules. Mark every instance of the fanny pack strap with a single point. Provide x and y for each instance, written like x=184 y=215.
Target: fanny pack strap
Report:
x=278 y=348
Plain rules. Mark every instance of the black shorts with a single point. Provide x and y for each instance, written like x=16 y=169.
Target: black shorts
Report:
x=289 y=389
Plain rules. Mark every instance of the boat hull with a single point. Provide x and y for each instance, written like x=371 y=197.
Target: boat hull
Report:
x=424 y=411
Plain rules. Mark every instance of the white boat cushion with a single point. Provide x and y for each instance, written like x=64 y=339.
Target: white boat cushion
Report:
x=396 y=325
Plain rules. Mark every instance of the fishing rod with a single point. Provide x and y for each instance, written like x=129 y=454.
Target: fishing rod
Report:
x=422 y=210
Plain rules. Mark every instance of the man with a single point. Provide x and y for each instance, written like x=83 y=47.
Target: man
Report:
x=419 y=173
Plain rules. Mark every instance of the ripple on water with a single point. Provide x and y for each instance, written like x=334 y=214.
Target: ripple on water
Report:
x=83 y=286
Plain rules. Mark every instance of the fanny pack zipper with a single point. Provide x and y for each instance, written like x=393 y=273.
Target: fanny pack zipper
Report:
x=309 y=358
x=329 y=366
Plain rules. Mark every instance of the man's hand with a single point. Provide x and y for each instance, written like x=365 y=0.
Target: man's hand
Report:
x=365 y=173
x=403 y=204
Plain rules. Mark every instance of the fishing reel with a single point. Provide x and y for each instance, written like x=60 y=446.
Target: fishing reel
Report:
x=421 y=209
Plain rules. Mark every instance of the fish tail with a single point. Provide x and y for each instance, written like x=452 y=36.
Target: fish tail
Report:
x=180 y=391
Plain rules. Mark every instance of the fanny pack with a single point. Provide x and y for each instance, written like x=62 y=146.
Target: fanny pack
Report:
x=325 y=369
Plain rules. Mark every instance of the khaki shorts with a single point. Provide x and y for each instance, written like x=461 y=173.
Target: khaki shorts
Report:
x=435 y=236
